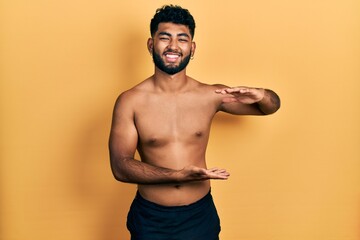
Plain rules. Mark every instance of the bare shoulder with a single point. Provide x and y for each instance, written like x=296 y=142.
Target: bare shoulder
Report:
x=135 y=92
x=209 y=90
x=209 y=87
x=129 y=98
x=201 y=86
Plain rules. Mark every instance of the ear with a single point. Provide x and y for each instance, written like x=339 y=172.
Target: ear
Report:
x=193 y=48
x=150 y=45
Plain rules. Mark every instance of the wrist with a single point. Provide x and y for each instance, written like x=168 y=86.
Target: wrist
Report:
x=178 y=176
x=262 y=95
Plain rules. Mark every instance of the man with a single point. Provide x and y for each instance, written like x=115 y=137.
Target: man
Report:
x=167 y=119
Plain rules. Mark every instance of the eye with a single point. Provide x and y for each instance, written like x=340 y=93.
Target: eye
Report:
x=183 y=40
x=164 y=39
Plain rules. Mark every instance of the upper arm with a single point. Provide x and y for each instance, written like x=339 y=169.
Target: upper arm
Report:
x=123 y=134
x=237 y=108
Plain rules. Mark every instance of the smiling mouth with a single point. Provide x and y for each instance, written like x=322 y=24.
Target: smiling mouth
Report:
x=172 y=57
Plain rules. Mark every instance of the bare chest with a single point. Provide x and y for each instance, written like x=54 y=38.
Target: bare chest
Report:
x=175 y=119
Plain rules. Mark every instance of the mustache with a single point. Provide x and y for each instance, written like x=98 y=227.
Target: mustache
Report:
x=174 y=52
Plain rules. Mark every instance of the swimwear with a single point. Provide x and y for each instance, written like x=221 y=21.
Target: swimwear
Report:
x=150 y=221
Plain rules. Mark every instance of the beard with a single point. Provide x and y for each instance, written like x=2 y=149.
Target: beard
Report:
x=171 y=70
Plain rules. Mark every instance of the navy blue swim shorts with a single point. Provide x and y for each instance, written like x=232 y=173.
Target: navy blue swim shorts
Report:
x=150 y=221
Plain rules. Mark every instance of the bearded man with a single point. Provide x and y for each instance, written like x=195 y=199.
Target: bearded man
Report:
x=167 y=119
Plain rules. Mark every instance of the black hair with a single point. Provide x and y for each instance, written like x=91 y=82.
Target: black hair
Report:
x=173 y=14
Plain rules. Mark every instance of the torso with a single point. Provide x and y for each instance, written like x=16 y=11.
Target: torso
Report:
x=173 y=132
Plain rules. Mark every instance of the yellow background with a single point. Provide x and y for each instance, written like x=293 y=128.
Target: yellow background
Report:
x=294 y=175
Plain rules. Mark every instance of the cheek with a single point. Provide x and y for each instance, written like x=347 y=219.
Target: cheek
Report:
x=187 y=50
x=160 y=48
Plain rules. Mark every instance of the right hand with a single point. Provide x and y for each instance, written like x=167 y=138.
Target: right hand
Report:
x=193 y=173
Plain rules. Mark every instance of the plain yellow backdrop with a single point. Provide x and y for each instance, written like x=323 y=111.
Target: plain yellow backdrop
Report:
x=294 y=175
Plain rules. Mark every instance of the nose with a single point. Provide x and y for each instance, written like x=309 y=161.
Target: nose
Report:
x=173 y=44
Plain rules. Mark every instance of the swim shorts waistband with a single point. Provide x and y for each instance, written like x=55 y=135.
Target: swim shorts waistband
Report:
x=204 y=200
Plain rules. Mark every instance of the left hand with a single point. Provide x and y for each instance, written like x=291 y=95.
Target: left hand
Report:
x=244 y=95
x=193 y=173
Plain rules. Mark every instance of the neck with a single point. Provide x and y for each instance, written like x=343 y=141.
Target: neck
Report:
x=170 y=83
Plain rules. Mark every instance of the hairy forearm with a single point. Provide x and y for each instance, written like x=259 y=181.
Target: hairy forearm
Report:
x=270 y=102
x=130 y=170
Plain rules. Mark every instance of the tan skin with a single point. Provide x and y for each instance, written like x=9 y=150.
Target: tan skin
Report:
x=167 y=119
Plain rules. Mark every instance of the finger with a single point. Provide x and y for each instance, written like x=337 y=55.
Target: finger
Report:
x=232 y=90
x=228 y=90
x=241 y=90
x=218 y=172
x=221 y=91
x=213 y=169
x=222 y=173
x=219 y=176
x=216 y=169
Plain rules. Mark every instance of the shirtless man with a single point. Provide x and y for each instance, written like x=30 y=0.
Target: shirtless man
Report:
x=167 y=118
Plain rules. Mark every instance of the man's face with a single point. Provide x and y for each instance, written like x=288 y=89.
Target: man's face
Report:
x=171 y=47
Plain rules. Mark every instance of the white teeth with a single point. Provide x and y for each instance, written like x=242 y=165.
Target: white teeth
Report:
x=171 y=56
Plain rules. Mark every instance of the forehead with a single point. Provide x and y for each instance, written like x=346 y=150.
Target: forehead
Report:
x=172 y=28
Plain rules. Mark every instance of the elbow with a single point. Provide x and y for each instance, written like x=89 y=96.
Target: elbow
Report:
x=276 y=102
x=269 y=111
x=273 y=105
x=119 y=177
x=273 y=110
x=277 y=105
x=118 y=173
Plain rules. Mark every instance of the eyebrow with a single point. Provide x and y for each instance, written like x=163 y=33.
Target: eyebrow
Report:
x=179 y=35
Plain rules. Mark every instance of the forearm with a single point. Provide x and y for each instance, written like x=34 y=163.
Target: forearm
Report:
x=130 y=170
x=270 y=103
